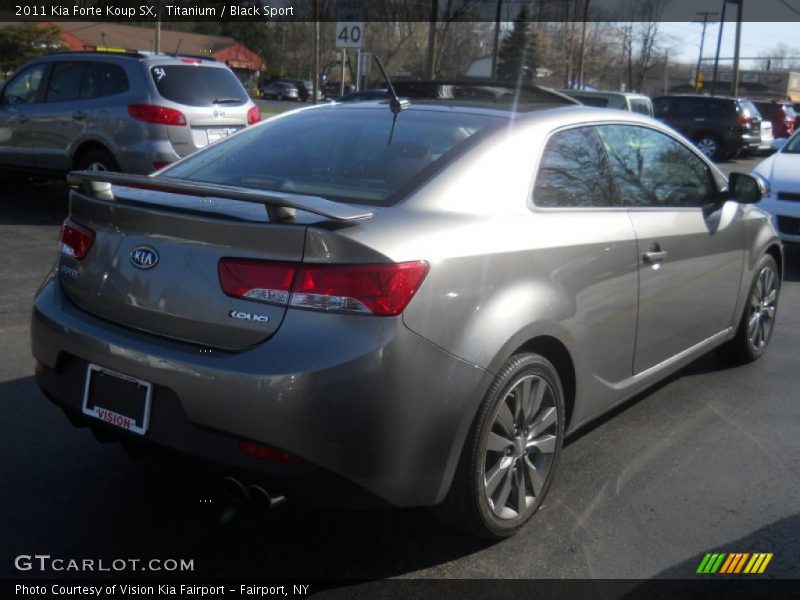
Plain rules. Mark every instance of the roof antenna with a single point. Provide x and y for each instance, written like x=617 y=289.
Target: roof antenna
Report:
x=178 y=47
x=396 y=105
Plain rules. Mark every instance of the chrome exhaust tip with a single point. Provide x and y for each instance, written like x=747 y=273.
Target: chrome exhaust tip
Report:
x=234 y=488
x=262 y=498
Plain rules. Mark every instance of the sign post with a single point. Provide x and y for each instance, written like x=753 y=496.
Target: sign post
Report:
x=349 y=30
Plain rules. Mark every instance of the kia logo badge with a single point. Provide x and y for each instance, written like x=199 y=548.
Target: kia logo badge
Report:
x=144 y=257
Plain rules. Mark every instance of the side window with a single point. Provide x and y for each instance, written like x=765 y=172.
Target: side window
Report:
x=65 y=82
x=89 y=85
x=653 y=169
x=574 y=172
x=24 y=87
x=111 y=79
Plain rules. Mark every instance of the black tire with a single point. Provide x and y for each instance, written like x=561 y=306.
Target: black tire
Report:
x=98 y=160
x=469 y=505
x=743 y=348
x=711 y=145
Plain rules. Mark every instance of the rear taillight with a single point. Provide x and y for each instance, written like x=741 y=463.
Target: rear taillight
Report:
x=257 y=280
x=253 y=115
x=156 y=114
x=160 y=164
x=76 y=239
x=743 y=121
x=368 y=289
x=371 y=289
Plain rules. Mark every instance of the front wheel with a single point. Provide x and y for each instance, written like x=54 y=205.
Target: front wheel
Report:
x=511 y=451
x=758 y=320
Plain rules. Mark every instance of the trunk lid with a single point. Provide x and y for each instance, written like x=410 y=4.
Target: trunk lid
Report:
x=178 y=293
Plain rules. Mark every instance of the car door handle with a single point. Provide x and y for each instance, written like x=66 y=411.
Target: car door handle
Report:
x=79 y=116
x=654 y=256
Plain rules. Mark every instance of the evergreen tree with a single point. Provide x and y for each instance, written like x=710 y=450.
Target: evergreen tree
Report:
x=513 y=54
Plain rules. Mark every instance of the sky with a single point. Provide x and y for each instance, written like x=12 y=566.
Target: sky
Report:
x=757 y=38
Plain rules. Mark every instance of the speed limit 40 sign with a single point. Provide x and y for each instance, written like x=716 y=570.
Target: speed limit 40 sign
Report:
x=349 y=34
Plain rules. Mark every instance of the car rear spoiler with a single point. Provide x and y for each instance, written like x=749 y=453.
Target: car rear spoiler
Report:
x=280 y=205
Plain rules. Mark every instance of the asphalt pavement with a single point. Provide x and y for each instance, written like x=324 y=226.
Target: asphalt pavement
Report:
x=706 y=461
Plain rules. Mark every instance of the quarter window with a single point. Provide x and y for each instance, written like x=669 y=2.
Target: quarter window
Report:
x=111 y=79
x=574 y=172
x=24 y=87
x=653 y=169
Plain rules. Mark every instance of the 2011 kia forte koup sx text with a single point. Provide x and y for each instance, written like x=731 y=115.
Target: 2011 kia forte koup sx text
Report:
x=409 y=305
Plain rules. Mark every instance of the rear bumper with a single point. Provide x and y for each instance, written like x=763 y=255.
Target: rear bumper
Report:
x=362 y=398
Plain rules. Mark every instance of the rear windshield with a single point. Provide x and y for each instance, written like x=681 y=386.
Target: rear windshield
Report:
x=339 y=153
x=195 y=85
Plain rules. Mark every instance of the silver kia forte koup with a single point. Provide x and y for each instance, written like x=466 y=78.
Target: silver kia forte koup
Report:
x=378 y=303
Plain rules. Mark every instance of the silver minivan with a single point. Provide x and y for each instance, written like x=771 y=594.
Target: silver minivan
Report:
x=117 y=111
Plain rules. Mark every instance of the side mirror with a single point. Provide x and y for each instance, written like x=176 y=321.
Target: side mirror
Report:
x=778 y=143
x=747 y=189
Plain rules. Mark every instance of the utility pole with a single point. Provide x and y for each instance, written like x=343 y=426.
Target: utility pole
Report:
x=158 y=27
x=719 y=43
x=702 y=42
x=739 y=10
x=496 y=44
x=315 y=87
x=430 y=67
x=666 y=71
x=582 y=56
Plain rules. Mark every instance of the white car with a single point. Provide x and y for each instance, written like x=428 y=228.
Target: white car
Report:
x=782 y=170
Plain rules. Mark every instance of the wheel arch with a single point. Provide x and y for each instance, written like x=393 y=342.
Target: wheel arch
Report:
x=775 y=252
x=87 y=146
x=557 y=353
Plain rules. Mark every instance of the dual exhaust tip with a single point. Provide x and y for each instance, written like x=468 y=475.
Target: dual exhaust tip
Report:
x=257 y=494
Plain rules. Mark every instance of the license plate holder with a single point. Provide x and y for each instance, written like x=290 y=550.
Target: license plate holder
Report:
x=214 y=135
x=117 y=399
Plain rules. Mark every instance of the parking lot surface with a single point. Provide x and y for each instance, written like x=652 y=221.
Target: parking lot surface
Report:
x=707 y=461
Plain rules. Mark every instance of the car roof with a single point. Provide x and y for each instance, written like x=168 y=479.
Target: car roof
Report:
x=139 y=55
x=554 y=116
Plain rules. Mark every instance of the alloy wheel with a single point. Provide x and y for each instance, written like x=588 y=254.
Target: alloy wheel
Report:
x=762 y=308
x=520 y=447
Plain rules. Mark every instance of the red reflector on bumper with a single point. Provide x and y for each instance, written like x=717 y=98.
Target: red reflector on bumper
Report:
x=267 y=453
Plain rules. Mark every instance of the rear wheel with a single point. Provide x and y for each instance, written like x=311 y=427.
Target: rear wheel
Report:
x=710 y=145
x=758 y=320
x=510 y=454
x=98 y=160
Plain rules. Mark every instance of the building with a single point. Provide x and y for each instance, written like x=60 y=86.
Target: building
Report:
x=244 y=62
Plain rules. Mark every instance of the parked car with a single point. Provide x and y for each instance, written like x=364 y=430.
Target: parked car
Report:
x=782 y=171
x=720 y=126
x=305 y=89
x=280 y=90
x=780 y=113
x=409 y=303
x=134 y=112
x=333 y=89
x=365 y=96
x=637 y=103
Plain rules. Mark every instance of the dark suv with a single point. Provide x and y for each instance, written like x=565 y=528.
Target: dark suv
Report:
x=719 y=126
